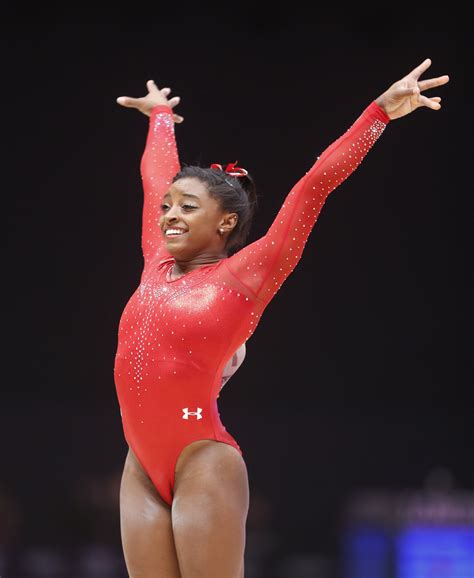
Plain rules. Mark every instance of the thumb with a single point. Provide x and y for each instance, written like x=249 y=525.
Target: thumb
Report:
x=126 y=101
x=408 y=91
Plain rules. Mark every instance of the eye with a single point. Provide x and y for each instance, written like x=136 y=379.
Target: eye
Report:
x=165 y=207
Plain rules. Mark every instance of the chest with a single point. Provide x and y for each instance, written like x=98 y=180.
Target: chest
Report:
x=200 y=305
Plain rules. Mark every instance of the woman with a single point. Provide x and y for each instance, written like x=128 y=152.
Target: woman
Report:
x=184 y=493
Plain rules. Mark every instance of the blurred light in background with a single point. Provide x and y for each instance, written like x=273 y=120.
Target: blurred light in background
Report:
x=366 y=553
x=413 y=534
x=427 y=552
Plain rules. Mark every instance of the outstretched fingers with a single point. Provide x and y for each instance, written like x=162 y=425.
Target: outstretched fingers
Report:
x=172 y=102
x=151 y=86
x=156 y=96
x=433 y=102
x=418 y=70
x=433 y=82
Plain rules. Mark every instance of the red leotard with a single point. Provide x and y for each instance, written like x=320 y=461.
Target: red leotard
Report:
x=176 y=336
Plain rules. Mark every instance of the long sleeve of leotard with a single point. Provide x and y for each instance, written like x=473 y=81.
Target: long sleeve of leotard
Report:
x=159 y=164
x=264 y=265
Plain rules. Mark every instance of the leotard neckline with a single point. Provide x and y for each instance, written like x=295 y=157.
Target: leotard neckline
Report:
x=203 y=269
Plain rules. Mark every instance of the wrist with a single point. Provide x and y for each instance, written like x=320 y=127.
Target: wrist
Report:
x=380 y=104
x=380 y=101
x=161 y=108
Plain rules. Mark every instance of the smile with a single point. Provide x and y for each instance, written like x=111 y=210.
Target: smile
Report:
x=174 y=232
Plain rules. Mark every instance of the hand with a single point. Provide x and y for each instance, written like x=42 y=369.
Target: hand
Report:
x=155 y=96
x=404 y=96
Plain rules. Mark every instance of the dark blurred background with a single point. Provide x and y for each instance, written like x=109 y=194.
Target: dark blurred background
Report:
x=358 y=380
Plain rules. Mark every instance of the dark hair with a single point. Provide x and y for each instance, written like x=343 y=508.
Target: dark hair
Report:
x=234 y=194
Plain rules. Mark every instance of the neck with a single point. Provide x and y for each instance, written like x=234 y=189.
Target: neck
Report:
x=181 y=267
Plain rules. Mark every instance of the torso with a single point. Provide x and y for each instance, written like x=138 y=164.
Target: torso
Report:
x=179 y=340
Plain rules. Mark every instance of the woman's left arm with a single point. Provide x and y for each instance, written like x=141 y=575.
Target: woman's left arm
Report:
x=264 y=265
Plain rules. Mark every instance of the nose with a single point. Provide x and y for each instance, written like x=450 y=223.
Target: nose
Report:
x=171 y=216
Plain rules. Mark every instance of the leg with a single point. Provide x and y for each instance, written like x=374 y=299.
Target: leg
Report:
x=145 y=522
x=209 y=512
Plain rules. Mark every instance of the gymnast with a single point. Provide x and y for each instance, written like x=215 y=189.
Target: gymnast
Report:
x=184 y=491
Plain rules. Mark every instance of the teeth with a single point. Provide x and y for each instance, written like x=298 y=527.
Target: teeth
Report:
x=174 y=232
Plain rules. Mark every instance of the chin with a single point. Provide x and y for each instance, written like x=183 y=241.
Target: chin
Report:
x=172 y=251
x=179 y=253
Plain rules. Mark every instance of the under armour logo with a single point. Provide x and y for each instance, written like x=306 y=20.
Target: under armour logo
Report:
x=197 y=413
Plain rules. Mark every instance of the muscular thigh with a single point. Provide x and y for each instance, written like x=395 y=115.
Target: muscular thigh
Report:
x=146 y=528
x=209 y=511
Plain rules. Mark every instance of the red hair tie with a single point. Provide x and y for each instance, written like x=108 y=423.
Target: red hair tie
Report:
x=231 y=169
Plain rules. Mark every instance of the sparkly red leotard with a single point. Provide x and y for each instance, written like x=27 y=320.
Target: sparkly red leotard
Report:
x=176 y=336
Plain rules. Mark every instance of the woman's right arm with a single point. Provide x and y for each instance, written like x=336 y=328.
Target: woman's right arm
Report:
x=159 y=164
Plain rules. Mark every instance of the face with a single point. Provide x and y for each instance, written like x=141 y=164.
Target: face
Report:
x=187 y=206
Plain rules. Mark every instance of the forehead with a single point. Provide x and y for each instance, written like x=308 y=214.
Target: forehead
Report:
x=188 y=187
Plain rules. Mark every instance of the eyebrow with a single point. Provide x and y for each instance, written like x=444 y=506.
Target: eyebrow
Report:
x=184 y=195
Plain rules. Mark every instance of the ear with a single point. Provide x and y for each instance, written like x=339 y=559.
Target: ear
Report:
x=228 y=222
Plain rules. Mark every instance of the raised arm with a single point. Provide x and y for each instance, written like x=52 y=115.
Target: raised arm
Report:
x=159 y=163
x=264 y=265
